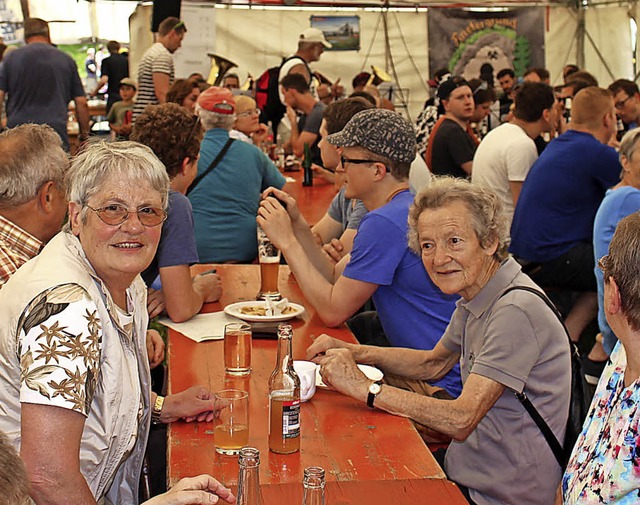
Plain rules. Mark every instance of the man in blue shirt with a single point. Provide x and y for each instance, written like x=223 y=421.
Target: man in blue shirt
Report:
x=378 y=148
x=552 y=230
x=40 y=81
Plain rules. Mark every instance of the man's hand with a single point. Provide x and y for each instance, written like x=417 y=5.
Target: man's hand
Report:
x=276 y=223
x=155 y=302
x=334 y=250
x=194 y=404
x=291 y=114
x=289 y=201
x=155 y=348
x=209 y=286
x=199 y=490
x=339 y=371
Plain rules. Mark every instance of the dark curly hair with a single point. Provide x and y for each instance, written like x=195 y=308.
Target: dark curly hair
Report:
x=172 y=133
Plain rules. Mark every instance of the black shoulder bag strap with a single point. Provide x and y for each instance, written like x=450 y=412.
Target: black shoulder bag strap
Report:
x=554 y=444
x=213 y=165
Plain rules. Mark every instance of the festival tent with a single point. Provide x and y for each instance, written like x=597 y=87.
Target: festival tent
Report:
x=257 y=35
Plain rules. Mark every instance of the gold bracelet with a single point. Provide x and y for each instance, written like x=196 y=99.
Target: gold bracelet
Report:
x=157 y=410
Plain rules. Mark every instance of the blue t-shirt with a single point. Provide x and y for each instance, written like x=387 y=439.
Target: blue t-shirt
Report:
x=177 y=244
x=225 y=202
x=345 y=211
x=617 y=203
x=414 y=313
x=561 y=195
x=40 y=81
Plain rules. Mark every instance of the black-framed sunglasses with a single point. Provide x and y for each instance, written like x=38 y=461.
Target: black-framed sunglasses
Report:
x=355 y=161
x=116 y=214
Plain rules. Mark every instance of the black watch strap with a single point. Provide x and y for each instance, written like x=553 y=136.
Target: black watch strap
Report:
x=374 y=390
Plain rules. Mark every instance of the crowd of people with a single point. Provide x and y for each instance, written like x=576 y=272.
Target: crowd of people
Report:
x=456 y=231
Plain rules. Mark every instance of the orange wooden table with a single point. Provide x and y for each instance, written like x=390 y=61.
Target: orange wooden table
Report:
x=353 y=443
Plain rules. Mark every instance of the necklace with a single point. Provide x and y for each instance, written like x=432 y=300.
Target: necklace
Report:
x=400 y=190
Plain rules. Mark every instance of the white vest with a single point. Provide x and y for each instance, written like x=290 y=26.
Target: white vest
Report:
x=114 y=410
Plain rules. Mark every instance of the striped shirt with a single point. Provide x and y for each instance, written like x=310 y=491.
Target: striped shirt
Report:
x=157 y=59
x=16 y=248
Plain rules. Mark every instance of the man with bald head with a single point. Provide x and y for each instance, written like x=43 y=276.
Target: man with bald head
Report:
x=32 y=198
x=552 y=228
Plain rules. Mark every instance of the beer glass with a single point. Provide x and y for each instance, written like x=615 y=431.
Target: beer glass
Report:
x=231 y=427
x=269 y=259
x=237 y=348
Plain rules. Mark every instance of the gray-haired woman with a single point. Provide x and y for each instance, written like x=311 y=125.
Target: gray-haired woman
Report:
x=505 y=340
x=74 y=379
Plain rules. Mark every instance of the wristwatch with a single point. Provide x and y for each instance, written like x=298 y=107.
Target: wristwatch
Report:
x=374 y=390
x=157 y=410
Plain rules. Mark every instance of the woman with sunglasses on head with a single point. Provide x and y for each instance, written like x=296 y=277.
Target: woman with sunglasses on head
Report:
x=74 y=382
x=174 y=135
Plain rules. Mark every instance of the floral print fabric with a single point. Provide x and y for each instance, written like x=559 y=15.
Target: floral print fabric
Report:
x=59 y=339
x=605 y=463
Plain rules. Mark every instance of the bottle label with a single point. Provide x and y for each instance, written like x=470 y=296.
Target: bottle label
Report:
x=291 y=419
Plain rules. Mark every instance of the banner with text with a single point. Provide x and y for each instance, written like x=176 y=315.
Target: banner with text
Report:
x=480 y=44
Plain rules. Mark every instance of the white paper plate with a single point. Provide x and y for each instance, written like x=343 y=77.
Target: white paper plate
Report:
x=373 y=373
x=234 y=310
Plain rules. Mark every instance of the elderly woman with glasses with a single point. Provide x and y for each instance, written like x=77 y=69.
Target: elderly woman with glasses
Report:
x=604 y=464
x=505 y=338
x=74 y=376
x=247 y=126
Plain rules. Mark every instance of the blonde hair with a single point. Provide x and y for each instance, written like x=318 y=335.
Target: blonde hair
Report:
x=590 y=105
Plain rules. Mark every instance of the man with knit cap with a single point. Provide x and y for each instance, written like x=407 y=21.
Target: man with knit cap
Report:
x=378 y=148
x=231 y=178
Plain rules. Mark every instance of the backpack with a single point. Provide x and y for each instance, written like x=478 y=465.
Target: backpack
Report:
x=268 y=96
x=579 y=402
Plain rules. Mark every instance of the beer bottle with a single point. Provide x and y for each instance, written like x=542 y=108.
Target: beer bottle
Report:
x=313 y=486
x=284 y=398
x=306 y=165
x=249 y=477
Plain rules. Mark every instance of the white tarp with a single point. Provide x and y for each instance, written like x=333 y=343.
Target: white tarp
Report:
x=257 y=38
x=70 y=20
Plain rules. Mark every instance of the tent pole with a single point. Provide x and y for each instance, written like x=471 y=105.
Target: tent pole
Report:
x=580 y=35
x=25 y=8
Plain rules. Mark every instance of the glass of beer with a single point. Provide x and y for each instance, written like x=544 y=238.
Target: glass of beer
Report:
x=231 y=427
x=269 y=258
x=237 y=348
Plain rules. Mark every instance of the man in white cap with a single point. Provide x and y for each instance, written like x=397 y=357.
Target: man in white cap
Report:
x=311 y=45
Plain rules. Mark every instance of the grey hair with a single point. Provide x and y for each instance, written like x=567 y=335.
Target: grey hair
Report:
x=628 y=143
x=212 y=120
x=14 y=484
x=31 y=156
x=487 y=213
x=102 y=160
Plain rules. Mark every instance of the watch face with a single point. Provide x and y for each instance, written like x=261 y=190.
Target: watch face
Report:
x=374 y=389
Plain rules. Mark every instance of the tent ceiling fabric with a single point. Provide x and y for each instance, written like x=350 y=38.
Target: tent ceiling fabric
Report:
x=257 y=39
